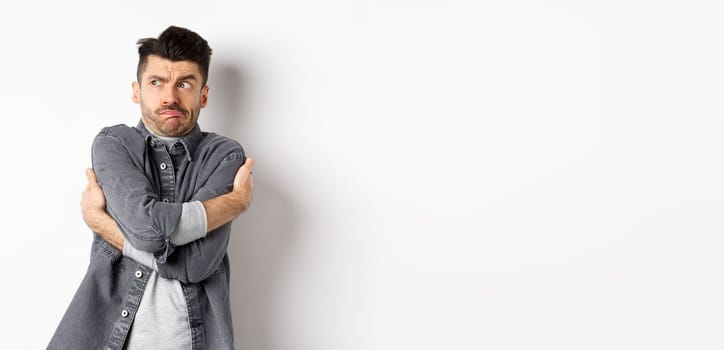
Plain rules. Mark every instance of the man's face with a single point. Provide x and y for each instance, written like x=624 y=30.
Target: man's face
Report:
x=171 y=96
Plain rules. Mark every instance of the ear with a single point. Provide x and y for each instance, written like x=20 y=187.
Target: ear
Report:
x=204 y=96
x=136 y=95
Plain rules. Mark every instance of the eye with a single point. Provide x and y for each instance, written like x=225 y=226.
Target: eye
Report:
x=155 y=82
x=184 y=85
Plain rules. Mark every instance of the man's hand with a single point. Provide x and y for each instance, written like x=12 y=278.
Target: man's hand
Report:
x=224 y=208
x=93 y=208
x=244 y=183
x=92 y=201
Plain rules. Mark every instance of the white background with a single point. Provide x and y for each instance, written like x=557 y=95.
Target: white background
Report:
x=430 y=174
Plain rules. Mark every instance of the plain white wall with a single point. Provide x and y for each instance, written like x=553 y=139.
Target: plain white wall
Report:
x=430 y=174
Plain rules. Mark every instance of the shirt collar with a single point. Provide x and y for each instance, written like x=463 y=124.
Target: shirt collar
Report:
x=189 y=141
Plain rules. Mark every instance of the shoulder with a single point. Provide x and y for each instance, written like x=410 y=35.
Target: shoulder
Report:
x=213 y=144
x=121 y=132
x=119 y=136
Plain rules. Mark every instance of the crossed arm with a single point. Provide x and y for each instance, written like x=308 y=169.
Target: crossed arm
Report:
x=195 y=261
x=219 y=210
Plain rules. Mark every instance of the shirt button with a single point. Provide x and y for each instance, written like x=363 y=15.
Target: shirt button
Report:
x=139 y=274
x=124 y=313
x=163 y=166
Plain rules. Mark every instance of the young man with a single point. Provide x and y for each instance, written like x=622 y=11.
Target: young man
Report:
x=160 y=198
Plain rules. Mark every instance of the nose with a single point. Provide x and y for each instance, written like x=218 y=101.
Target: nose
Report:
x=169 y=96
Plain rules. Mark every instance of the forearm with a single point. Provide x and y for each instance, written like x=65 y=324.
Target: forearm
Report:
x=224 y=208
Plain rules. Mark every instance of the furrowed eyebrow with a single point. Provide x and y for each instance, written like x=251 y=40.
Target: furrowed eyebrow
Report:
x=188 y=77
x=156 y=77
x=164 y=80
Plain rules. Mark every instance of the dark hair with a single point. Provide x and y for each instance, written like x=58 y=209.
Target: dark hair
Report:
x=175 y=44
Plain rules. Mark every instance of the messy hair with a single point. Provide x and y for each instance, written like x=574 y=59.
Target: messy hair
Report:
x=175 y=44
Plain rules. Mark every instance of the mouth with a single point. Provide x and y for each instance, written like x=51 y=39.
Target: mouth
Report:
x=172 y=113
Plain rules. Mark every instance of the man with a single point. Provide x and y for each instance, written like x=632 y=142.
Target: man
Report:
x=160 y=198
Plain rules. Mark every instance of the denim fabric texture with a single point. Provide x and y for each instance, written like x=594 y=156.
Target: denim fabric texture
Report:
x=145 y=184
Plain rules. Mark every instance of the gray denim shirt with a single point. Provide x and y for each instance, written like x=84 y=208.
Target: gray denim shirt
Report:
x=145 y=185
